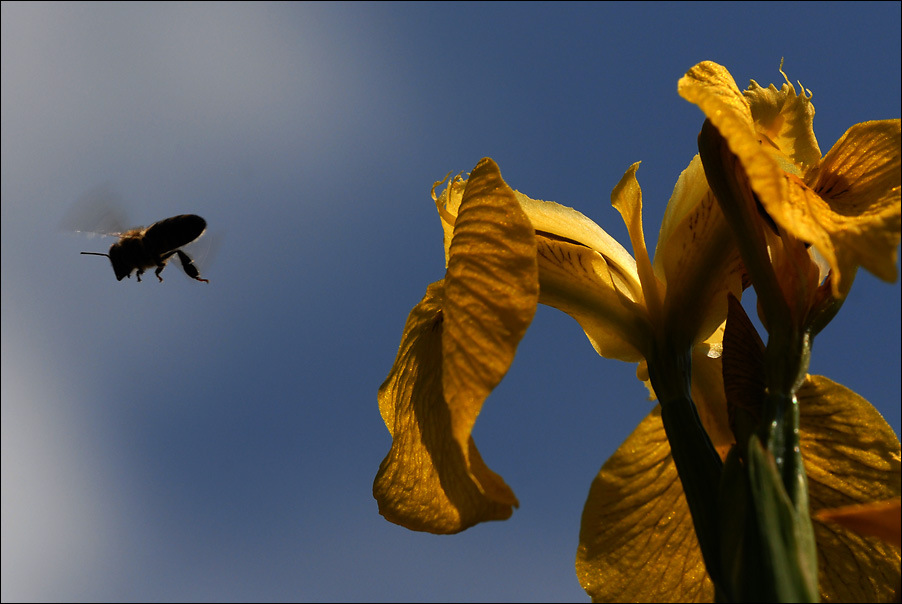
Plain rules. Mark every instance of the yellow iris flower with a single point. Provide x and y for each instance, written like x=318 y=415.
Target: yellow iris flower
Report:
x=505 y=253
x=637 y=540
x=845 y=204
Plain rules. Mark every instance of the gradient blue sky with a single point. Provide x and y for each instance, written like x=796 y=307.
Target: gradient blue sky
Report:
x=182 y=441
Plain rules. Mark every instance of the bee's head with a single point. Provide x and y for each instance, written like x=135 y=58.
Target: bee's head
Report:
x=121 y=266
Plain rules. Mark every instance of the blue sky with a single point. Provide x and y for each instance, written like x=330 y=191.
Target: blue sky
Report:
x=182 y=441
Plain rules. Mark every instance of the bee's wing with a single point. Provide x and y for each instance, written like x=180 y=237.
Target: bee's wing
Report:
x=97 y=212
x=203 y=250
x=172 y=233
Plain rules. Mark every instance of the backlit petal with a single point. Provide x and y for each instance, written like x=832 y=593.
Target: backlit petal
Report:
x=448 y=204
x=709 y=397
x=627 y=199
x=457 y=345
x=425 y=483
x=851 y=212
x=555 y=221
x=712 y=88
x=637 y=542
x=785 y=120
x=579 y=281
x=697 y=257
x=851 y=456
x=552 y=221
x=491 y=293
x=587 y=274
x=880 y=519
x=583 y=271
x=860 y=180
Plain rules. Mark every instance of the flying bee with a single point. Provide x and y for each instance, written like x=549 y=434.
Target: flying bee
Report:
x=140 y=249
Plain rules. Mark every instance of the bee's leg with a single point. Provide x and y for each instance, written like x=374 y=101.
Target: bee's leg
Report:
x=138 y=274
x=188 y=266
x=161 y=264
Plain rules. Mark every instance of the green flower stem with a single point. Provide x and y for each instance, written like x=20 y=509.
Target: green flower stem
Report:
x=697 y=462
x=783 y=513
x=786 y=361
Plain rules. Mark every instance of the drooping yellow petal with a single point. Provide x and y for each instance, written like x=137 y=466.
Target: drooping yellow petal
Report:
x=457 y=345
x=697 y=258
x=860 y=180
x=491 y=293
x=743 y=364
x=637 y=542
x=425 y=482
x=851 y=212
x=851 y=457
